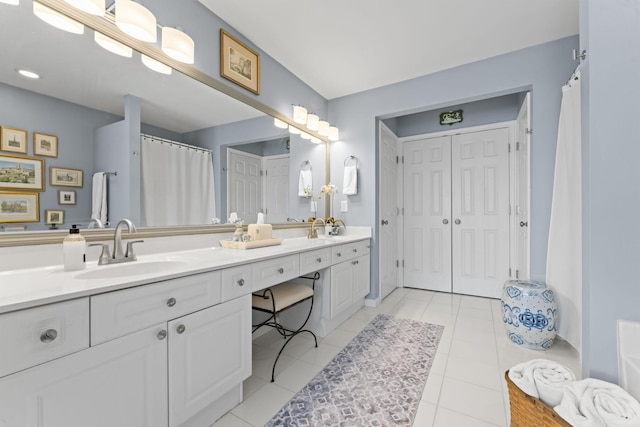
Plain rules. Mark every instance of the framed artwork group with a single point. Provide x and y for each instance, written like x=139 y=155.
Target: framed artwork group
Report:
x=22 y=177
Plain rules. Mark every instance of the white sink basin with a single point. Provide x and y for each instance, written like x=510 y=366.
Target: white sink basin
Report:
x=133 y=268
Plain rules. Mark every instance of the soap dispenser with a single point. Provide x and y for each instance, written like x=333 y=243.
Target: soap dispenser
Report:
x=74 y=249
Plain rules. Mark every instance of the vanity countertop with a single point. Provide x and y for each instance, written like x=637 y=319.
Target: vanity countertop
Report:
x=25 y=288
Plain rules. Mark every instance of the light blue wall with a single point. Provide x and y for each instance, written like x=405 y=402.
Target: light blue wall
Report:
x=611 y=176
x=543 y=69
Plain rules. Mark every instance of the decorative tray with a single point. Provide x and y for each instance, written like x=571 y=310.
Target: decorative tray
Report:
x=251 y=244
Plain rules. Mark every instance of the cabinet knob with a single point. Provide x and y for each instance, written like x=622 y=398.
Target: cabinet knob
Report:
x=355 y=250
x=180 y=329
x=368 y=246
x=48 y=336
x=162 y=335
x=241 y=282
x=281 y=270
x=319 y=259
x=354 y=262
x=339 y=254
x=171 y=302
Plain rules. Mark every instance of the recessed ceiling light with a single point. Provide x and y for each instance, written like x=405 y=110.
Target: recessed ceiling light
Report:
x=29 y=74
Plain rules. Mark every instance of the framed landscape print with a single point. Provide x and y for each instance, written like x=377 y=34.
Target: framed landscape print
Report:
x=239 y=63
x=54 y=216
x=66 y=197
x=13 y=140
x=19 y=207
x=45 y=145
x=21 y=173
x=65 y=177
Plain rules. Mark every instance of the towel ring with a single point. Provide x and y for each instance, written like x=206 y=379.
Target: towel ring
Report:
x=352 y=157
x=306 y=162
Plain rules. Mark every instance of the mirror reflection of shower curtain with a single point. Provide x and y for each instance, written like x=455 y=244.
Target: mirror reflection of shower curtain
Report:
x=177 y=184
x=564 y=254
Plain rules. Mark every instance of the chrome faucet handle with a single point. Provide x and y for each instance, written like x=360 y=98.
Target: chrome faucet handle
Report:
x=104 y=255
x=129 y=253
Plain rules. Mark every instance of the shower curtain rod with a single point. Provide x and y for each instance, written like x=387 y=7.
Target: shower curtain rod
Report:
x=179 y=144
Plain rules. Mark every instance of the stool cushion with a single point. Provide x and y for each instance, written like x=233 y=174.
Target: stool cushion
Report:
x=284 y=294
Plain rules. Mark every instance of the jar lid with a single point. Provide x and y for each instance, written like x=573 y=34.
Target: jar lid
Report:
x=526 y=284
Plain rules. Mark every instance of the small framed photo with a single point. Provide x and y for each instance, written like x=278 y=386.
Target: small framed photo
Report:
x=45 y=145
x=66 y=197
x=21 y=173
x=54 y=216
x=19 y=207
x=13 y=140
x=239 y=63
x=65 y=177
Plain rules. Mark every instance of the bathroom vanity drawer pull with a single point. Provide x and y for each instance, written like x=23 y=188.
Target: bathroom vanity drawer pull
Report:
x=368 y=246
x=355 y=250
x=48 y=336
x=171 y=302
x=180 y=329
x=339 y=254
x=241 y=282
x=162 y=335
x=354 y=262
x=281 y=270
x=319 y=259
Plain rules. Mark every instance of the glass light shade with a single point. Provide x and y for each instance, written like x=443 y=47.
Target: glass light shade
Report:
x=334 y=134
x=316 y=140
x=299 y=114
x=155 y=65
x=312 y=121
x=280 y=124
x=136 y=20
x=178 y=45
x=113 y=46
x=94 y=7
x=294 y=130
x=305 y=135
x=323 y=128
x=57 y=19
x=11 y=2
x=29 y=74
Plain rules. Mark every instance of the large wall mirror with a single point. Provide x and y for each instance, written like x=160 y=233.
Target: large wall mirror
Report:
x=84 y=91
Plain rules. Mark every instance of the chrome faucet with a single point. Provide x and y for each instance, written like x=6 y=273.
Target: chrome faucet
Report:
x=313 y=233
x=95 y=222
x=335 y=229
x=118 y=255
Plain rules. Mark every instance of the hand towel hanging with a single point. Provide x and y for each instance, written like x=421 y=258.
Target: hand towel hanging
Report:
x=99 y=197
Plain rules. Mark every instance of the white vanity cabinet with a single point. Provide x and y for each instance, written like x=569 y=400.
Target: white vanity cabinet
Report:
x=350 y=278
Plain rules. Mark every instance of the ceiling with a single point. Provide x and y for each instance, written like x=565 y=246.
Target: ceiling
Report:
x=342 y=47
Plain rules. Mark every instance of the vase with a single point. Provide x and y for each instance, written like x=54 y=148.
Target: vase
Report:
x=529 y=313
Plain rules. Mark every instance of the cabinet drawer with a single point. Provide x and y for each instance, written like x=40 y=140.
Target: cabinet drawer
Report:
x=365 y=247
x=315 y=260
x=41 y=334
x=119 y=313
x=236 y=281
x=345 y=252
x=274 y=271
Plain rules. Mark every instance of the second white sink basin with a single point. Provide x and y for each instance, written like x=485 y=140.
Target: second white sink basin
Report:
x=133 y=268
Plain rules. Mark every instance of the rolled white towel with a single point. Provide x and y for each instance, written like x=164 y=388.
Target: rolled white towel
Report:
x=542 y=378
x=597 y=403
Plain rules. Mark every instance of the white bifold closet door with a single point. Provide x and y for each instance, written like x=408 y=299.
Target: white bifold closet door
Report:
x=456 y=205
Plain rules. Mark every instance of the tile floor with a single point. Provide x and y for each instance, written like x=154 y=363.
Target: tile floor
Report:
x=465 y=385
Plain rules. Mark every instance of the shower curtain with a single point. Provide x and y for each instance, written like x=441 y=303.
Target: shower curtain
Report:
x=564 y=255
x=177 y=184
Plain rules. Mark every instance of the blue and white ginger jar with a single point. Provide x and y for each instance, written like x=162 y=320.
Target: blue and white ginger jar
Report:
x=529 y=313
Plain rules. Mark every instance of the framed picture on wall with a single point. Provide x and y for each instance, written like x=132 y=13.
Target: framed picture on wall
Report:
x=65 y=177
x=19 y=207
x=66 y=197
x=13 y=140
x=239 y=63
x=45 y=145
x=21 y=173
x=54 y=216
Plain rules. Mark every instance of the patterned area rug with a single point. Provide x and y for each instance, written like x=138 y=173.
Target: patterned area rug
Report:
x=376 y=380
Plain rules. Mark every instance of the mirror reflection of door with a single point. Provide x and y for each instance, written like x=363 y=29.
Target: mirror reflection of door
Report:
x=276 y=189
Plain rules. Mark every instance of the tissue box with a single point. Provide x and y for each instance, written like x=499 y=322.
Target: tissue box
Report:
x=259 y=231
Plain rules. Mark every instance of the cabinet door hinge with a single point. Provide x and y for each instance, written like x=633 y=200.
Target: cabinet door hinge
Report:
x=517 y=146
x=509 y=271
x=517 y=274
x=528 y=131
x=397 y=160
x=508 y=148
x=397 y=263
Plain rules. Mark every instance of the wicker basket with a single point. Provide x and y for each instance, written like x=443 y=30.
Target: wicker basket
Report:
x=527 y=411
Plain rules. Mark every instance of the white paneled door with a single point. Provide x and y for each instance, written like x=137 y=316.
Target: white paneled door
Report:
x=276 y=189
x=456 y=212
x=388 y=211
x=245 y=185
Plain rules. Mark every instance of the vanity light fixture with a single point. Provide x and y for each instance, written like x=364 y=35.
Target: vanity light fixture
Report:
x=294 y=130
x=323 y=128
x=177 y=45
x=305 y=135
x=299 y=114
x=334 y=134
x=155 y=65
x=11 y=2
x=112 y=45
x=279 y=123
x=136 y=20
x=57 y=19
x=316 y=140
x=28 y=74
x=312 y=121
x=94 y=7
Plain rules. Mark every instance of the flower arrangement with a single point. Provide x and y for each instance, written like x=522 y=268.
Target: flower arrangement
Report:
x=329 y=190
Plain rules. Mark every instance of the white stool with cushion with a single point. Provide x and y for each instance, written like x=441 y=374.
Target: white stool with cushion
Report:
x=276 y=299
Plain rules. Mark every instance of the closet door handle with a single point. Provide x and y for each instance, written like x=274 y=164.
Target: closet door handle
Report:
x=457 y=221
x=281 y=270
x=445 y=221
x=385 y=222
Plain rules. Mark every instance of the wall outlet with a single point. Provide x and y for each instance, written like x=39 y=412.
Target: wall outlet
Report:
x=313 y=206
x=344 y=206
